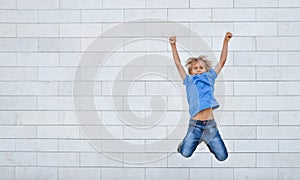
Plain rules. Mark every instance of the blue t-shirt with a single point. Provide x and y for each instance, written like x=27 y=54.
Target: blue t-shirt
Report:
x=200 y=91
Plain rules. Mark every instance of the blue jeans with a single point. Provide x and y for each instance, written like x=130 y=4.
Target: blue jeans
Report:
x=206 y=131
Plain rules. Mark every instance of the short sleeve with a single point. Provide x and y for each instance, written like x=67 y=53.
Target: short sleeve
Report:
x=213 y=74
x=185 y=81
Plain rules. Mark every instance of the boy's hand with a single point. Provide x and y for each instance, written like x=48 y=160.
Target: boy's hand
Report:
x=172 y=40
x=228 y=36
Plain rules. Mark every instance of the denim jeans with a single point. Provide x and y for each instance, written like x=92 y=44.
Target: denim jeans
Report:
x=206 y=131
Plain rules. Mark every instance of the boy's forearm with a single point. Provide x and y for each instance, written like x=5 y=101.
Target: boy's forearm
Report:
x=224 y=53
x=175 y=54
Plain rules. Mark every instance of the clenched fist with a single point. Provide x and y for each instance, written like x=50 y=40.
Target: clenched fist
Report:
x=172 y=40
x=228 y=36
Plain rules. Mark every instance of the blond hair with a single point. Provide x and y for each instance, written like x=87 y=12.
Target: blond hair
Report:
x=193 y=60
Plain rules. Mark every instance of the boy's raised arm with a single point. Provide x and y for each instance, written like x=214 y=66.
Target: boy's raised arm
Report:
x=223 y=56
x=176 y=58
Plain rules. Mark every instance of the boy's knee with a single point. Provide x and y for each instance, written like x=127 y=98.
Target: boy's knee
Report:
x=222 y=157
x=186 y=154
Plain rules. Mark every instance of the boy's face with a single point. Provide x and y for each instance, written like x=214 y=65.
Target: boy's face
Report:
x=198 y=68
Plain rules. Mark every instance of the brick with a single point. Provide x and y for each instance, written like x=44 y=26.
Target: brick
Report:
x=289 y=173
x=7 y=117
x=79 y=173
x=145 y=73
x=256 y=146
x=239 y=44
x=36 y=145
x=108 y=103
x=59 y=44
x=18 y=16
x=69 y=59
x=37 y=30
x=123 y=173
x=288 y=58
x=102 y=132
x=278 y=132
x=161 y=146
x=18 y=44
x=255 y=59
x=212 y=173
x=145 y=14
x=103 y=160
x=278 y=103
x=288 y=28
x=255 y=88
x=7 y=145
x=289 y=117
x=123 y=145
x=56 y=102
x=18 y=159
x=123 y=88
x=146 y=45
x=17 y=74
x=230 y=14
x=205 y=29
x=128 y=29
x=289 y=3
x=277 y=160
x=145 y=160
x=59 y=16
x=102 y=16
x=7 y=172
x=194 y=44
x=56 y=74
x=8 y=30
x=105 y=44
x=239 y=103
x=37 y=59
x=256 y=3
x=277 y=43
x=177 y=103
x=278 y=14
x=58 y=132
x=80 y=4
x=289 y=146
x=255 y=173
x=18 y=103
x=167 y=29
x=58 y=159
x=167 y=4
x=288 y=88
x=75 y=146
x=37 y=117
x=277 y=73
x=238 y=132
x=37 y=4
x=8 y=59
x=80 y=30
x=8 y=4
x=255 y=118
x=123 y=4
x=196 y=160
x=189 y=15
x=255 y=29
x=36 y=172
x=157 y=132
x=167 y=173
x=211 y=4
x=237 y=160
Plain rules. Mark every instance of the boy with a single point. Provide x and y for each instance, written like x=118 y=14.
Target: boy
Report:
x=200 y=95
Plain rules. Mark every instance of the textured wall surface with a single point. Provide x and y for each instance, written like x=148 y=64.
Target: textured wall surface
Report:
x=88 y=88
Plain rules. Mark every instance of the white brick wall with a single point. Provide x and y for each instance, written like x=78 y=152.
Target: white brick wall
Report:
x=129 y=113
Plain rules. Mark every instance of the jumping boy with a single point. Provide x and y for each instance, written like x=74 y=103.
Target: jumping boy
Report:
x=200 y=94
